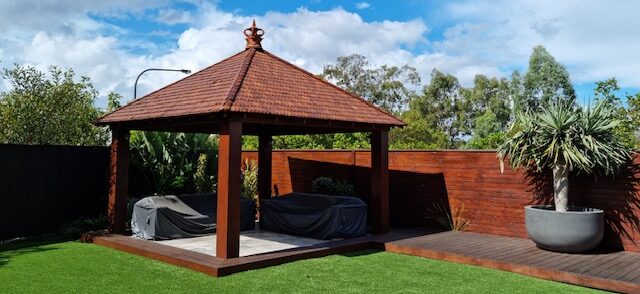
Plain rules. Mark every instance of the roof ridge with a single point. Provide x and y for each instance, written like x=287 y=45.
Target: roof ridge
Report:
x=194 y=74
x=237 y=84
x=334 y=86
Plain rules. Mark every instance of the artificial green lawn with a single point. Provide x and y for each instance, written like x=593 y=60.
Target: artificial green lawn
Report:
x=73 y=267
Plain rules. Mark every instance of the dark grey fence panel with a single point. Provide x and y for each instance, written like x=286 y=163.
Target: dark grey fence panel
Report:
x=44 y=187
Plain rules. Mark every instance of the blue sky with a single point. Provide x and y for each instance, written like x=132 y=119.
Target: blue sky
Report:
x=111 y=42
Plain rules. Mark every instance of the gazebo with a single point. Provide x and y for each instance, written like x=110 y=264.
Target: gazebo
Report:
x=255 y=93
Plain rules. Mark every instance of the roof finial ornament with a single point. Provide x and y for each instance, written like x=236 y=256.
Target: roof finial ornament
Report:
x=254 y=36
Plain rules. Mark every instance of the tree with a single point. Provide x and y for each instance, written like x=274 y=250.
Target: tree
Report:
x=516 y=93
x=113 y=101
x=489 y=111
x=546 y=79
x=384 y=86
x=387 y=87
x=443 y=107
x=488 y=132
x=607 y=91
x=417 y=134
x=633 y=116
x=49 y=110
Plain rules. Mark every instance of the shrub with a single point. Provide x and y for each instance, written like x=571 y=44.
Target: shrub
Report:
x=450 y=219
x=326 y=185
x=167 y=161
x=249 y=188
x=204 y=181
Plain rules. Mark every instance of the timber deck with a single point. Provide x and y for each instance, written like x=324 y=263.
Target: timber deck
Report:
x=613 y=271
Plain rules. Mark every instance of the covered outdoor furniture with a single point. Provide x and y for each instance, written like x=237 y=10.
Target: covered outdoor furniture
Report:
x=314 y=215
x=187 y=215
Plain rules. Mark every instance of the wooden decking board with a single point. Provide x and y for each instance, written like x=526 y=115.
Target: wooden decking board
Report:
x=616 y=262
x=620 y=267
x=632 y=273
x=613 y=261
x=516 y=250
x=524 y=256
x=459 y=245
x=453 y=246
x=618 y=271
x=596 y=261
x=571 y=261
x=547 y=259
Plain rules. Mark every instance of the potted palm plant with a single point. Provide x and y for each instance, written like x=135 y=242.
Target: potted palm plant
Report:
x=565 y=138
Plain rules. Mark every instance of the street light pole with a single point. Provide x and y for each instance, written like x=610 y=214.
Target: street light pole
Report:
x=135 y=86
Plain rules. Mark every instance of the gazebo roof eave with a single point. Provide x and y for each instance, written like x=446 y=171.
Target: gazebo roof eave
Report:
x=254 y=123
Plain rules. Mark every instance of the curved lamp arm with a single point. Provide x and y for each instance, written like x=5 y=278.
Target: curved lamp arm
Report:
x=135 y=85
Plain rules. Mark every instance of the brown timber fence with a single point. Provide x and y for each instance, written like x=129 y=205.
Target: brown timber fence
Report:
x=493 y=201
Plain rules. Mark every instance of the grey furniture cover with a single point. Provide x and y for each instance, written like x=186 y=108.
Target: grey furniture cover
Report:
x=187 y=215
x=314 y=215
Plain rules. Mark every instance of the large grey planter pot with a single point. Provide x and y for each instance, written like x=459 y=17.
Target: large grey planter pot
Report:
x=577 y=230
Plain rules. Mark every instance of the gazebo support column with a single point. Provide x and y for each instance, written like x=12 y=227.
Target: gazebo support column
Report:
x=264 y=166
x=118 y=180
x=229 y=164
x=380 y=182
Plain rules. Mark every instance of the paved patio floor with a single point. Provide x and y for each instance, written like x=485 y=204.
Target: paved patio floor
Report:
x=251 y=243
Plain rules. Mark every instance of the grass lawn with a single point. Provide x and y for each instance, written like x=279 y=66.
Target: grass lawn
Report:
x=73 y=267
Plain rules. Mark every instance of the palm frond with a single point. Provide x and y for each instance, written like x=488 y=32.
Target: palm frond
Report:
x=562 y=133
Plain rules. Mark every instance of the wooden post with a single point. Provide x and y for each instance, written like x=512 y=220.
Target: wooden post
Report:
x=118 y=180
x=229 y=164
x=264 y=167
x=380 y=182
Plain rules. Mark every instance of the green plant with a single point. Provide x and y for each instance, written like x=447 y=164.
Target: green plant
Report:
x=204 y=181
x=326 y=185
x=48 y=108
x=168 y=161
x=249 y=187
x=450 y=217
x=565 y=137
x=322 y=185
x=76 y=228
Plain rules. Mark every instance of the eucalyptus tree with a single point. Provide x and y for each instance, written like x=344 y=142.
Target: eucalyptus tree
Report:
x=546 y=79
x=388 y=87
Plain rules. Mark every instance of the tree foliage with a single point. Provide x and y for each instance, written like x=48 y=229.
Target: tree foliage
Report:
x=565 y=134
x=388 y=87
x=49 y=109
x=168 y=162
x=545 y=80
x=607 y=91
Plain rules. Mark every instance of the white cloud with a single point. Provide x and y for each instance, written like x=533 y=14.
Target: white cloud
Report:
x=594 y=40
x=363 y=5
x=173 y=16
x=310 y=39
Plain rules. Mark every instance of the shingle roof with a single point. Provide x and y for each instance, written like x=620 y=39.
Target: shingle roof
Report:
x=253 y=81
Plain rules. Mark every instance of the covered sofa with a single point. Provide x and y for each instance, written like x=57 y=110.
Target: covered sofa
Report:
x=314 y=215
x=187 y=215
